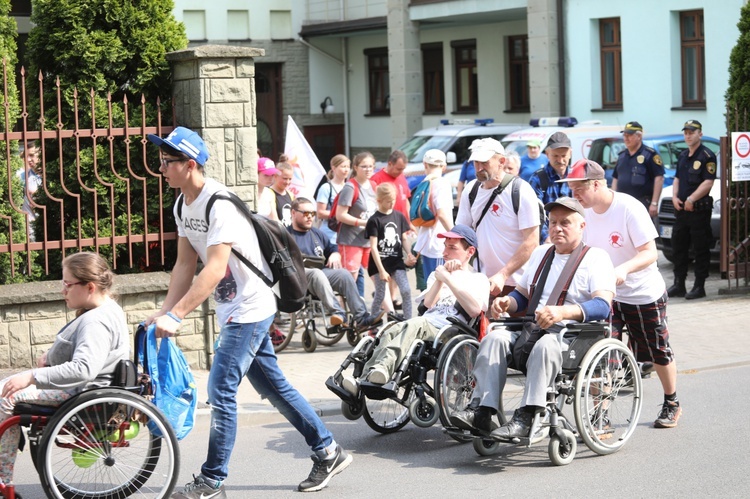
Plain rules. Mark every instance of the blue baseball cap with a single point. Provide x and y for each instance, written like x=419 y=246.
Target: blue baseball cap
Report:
x=186 y=141
x=461 y=231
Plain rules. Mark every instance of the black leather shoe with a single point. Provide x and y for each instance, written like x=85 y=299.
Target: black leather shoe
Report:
x=696 y=292
x=676 y=290
x=473 y=419
x=518 y=427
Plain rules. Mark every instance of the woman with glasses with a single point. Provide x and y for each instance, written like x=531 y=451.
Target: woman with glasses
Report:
x=83 y=356
x=355 y=206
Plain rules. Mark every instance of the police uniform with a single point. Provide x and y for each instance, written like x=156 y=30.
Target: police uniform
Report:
x=693 y=226
x=635 y=173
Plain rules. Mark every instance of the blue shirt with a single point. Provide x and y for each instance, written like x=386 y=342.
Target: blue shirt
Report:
x=548 y=194
x=313 y=242
x=529 y=166
x=635 y=173
x=468 y=173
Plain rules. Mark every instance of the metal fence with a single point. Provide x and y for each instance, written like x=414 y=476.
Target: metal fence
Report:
x=99 y=185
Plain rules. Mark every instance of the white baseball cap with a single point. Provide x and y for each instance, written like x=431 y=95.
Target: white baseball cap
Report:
x=435 y=157
x=483 y=149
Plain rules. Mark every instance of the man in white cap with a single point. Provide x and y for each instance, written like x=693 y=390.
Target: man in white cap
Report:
x=507 y=228
x=428 y=244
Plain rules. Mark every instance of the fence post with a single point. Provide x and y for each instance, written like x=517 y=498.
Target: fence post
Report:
x=214 y=94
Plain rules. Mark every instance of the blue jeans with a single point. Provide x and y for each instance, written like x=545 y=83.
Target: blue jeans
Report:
x=246 y=350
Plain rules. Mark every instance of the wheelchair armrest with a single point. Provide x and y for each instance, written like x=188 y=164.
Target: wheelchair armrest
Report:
x=462 y=326
x=24 y=408
x=511 y=323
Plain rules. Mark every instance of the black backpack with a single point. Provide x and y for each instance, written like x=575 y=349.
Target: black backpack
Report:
x=278 y=249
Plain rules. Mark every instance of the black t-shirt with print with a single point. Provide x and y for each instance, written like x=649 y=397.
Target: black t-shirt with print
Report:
x=388 y=229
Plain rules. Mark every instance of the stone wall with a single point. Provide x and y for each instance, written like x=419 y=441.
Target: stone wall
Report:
x=32 y=314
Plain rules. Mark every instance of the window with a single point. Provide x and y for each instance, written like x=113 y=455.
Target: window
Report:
x=692 y=46
x=518 y=60
x=432 y=69
x=281 y=25
x=238 y=25
x=377 y=70
x=195 y=24
x=611 y=63
x=465 y=60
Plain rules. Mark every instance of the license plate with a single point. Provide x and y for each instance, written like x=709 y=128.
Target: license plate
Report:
x=665 y=231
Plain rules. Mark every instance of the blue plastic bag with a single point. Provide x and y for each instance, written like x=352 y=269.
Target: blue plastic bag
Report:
x=172 y=382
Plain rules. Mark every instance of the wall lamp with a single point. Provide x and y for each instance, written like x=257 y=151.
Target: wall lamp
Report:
x=327 y=106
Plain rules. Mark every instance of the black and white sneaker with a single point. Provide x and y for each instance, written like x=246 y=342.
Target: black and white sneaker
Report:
x=199 y=489
x=324 y=469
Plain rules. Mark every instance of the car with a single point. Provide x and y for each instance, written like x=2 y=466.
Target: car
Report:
x=581 y=135
x=605 y=150
x=453 y=137
x=666 y=220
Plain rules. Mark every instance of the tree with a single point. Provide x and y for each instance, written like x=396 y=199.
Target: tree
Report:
x=96 y=50
x=738 y=92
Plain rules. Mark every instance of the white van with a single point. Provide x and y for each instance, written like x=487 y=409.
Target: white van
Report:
x=581 y=135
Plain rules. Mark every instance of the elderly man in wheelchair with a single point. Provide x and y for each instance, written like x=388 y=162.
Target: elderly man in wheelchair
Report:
x=453 y=290
x=564 y=282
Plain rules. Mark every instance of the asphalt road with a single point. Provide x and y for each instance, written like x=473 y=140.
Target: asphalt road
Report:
x=705 y=456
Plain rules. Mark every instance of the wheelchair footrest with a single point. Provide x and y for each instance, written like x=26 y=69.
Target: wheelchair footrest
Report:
x=339 y=391
x=379 y=392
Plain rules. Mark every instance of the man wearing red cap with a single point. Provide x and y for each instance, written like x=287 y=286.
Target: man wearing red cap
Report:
x=621 y=226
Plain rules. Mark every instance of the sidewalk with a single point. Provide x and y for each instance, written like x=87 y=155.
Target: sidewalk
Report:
x=694 y=327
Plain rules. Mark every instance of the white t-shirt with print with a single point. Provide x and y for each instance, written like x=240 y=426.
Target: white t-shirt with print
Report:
x=499 y=233
x=621 y=229
x=241 y=296
x=445 y=306
x=441 y=196
x=595 y=273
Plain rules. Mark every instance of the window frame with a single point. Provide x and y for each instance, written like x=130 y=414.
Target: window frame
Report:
x=613 y=48
x=699 y=60
x=433 y=75
x=378 y=98
x=461 y=63
x=518 y=69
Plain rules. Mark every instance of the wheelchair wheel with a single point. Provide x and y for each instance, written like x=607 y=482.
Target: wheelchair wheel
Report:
x=510 y=400
x=309 y=342
x=608 y=396
x=293 y=318
x=454 y=378
x=485 y=447
x=388 y=415
x=350 y=412
x=353 y=336
x=87 y=452
x=424 y=413
x=557 y=453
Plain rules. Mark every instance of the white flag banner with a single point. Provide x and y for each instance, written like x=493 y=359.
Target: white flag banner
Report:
x=307 y=168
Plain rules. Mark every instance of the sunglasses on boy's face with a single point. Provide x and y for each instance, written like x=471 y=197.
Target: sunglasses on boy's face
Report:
x=306 y=213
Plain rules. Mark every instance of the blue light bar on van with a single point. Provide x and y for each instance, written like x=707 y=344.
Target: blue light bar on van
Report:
x=466 y=121
x=565 y=121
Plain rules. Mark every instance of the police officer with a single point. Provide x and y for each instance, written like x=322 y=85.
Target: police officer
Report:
x=639 y=170
x=696 y=171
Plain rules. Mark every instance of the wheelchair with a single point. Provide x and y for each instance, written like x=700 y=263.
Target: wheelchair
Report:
x=312 y=322
x=100 y=443
x=599 y=377
x=408 y=396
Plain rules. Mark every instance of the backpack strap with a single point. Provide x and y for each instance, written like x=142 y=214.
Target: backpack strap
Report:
x=515 y=194
x=249 y=216
x=541 y=174
x=498 y=190
x=180 y=202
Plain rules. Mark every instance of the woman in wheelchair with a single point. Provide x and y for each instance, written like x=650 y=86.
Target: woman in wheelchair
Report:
x=577 y=284
x=452 y=288
x=84 y=354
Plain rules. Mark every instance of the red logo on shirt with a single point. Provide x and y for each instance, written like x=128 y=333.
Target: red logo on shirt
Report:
x=615 y=240
x=496 y=209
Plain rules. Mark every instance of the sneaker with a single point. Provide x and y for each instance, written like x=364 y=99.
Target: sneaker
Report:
x=324 y=469
x=199 y=489
x=669 y=415
x=350 y=384
x=378 y=375
x=369 y=320
x=336 y=320
x=601 y=424
x=277 y=337
x=646 y=369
